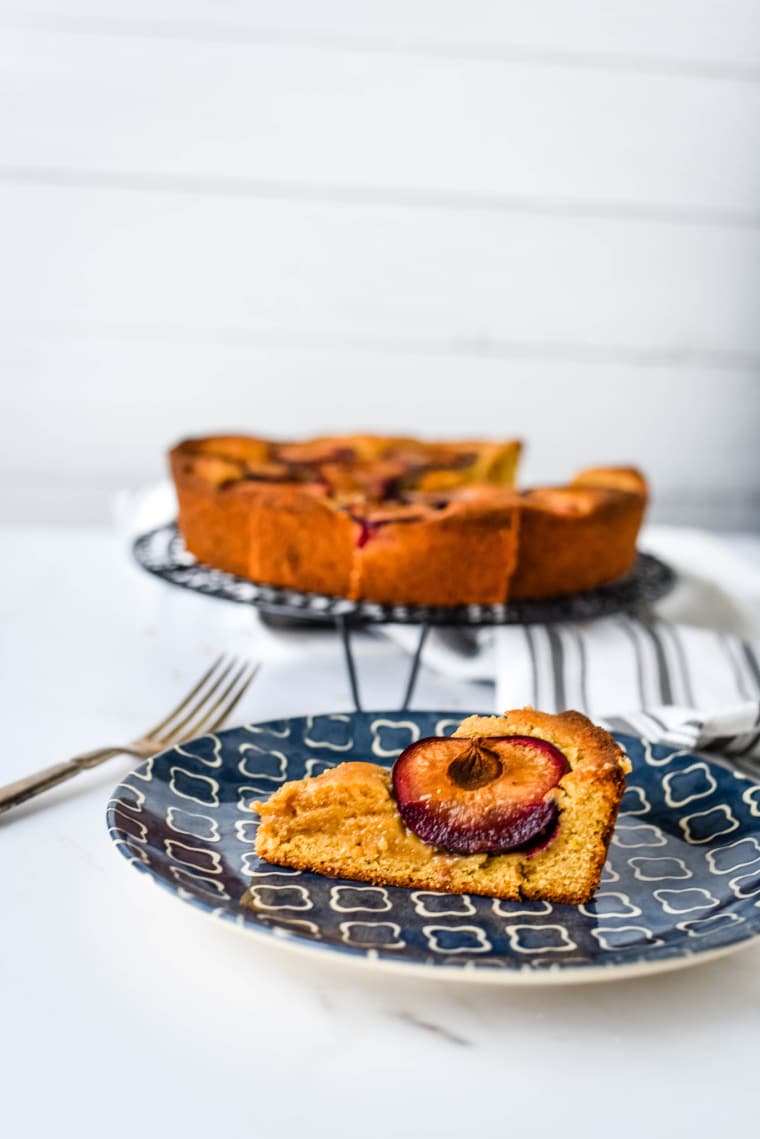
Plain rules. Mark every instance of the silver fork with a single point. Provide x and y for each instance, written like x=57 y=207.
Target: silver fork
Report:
x=204 y=709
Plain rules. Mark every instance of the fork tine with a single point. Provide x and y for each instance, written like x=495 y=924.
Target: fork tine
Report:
x=217 y=723
x=154 y=732
x=178 y=730
x=214 y=716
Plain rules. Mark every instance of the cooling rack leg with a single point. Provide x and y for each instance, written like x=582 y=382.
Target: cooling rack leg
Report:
x=344 y=628
x=643 y=611
x=414 y=672
x=345 y=635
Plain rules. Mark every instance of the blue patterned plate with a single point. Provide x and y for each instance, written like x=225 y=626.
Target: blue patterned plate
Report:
x=682 y=882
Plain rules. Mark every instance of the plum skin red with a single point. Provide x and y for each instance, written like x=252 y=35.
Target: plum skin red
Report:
x=478 y=795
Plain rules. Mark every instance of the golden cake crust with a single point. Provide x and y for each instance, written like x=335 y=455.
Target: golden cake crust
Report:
x=345 y=822
x=320 y=515
x=578 y=537
x=399 y=520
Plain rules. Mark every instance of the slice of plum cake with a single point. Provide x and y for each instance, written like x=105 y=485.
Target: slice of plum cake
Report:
x=520 y=806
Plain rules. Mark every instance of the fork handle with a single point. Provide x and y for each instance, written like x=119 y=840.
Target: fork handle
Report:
x=13 y=794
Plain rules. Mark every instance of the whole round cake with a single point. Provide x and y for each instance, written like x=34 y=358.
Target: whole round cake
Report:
x=402 y=520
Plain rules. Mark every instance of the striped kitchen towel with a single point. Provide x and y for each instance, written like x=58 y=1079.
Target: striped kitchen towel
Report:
x=669 y=682
x=686 y=673
x=675 y=684
x=622 y=662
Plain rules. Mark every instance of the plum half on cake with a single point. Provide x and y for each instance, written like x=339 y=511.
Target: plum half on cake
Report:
x=520 y=806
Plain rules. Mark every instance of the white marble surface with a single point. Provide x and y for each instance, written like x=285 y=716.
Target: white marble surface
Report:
x=124 y=1011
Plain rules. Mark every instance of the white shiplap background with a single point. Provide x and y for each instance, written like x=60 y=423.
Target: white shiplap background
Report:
x=479 y=216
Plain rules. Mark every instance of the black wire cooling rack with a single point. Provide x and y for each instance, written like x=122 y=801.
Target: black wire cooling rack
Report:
x=162 y=552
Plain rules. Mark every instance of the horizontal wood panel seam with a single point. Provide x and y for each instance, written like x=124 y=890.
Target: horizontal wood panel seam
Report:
x=502 y=53
x=59 y=177
x=294 y=340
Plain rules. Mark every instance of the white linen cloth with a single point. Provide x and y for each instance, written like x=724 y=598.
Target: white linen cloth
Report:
x=687 y=673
